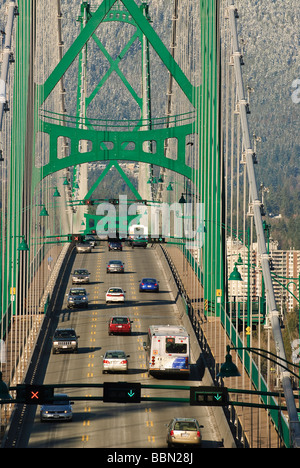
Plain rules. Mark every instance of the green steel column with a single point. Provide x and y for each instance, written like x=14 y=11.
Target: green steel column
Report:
x=210 y=159
x=20 y=137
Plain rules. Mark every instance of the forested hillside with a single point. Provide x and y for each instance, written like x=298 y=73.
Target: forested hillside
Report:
x=270 y=30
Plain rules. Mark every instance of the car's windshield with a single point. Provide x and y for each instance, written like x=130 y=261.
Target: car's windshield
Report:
x=59 y=402
x=185 y=426
x=64 y=334
x=115 y=355
x=119 y=320
x=77 y=292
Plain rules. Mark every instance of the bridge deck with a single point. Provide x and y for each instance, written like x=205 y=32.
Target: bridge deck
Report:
x=252 y=424
x=24 y=330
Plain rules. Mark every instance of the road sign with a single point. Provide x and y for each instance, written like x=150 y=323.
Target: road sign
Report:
x=208 y=396
x=34 y=394
x=121 y=392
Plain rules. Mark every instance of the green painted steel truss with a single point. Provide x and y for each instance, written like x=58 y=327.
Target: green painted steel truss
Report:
x=126 y=146
x=133 y=143
x=116 y=145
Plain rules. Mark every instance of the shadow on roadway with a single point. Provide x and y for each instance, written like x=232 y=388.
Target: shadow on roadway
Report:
x=128 y=303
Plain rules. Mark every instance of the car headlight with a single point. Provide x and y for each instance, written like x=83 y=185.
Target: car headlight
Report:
x=55 y=342
x=73 y=342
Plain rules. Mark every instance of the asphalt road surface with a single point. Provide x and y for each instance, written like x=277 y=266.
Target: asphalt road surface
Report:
x=97 y=424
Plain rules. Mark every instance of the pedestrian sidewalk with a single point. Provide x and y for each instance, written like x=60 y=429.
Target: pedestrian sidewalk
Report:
x=25 y=325
x=252 y=426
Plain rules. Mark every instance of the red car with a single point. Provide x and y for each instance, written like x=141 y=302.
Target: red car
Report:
x=119 y=325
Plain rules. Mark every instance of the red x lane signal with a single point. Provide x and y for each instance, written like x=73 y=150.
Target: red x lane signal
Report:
x=34 y=394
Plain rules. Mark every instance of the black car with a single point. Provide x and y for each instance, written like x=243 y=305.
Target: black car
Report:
x=65 y=339
x=114 y=245
x=139 y=241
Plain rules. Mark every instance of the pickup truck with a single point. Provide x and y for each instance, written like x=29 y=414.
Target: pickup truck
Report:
x=64 y=339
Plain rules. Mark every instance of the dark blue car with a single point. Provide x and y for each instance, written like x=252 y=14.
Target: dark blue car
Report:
x=114 y=245
x=149 y=284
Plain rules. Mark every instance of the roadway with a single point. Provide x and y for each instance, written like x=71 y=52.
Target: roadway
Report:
x=105 y=425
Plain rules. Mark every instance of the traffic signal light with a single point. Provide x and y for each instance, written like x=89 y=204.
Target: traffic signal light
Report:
x=88 y=202
x=121 y=392
x=34 y=394
x=208 y=396
x=76 y=237
x=156 y=240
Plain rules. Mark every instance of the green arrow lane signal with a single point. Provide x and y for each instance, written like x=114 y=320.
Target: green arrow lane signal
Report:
x=208 y=396
x=121 y=392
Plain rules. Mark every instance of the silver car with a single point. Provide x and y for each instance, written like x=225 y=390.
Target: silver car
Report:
x=115 y=266
x=115 y=361
x=184 y=431
x=81 y=276
x=58 y=409
x=83 y=247
x=77 y=297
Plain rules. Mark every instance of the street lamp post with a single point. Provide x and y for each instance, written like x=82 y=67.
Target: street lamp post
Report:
x=292 y=281
x=231 y=371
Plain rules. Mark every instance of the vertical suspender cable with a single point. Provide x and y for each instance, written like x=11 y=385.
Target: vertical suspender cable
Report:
x=273 y=314
x=6 y=57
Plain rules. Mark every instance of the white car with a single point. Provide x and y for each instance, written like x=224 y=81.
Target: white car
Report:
x=115 y=361
x=115 y=294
